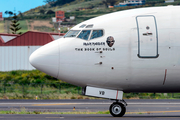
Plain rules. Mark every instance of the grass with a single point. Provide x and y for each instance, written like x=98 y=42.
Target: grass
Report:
x=43 y=28
x=1 y=27
x=24 y=111
x=29 y=84
x=65 y=91
x=17 y=91
x=43 y=96
x=75 y=5
x=23 y=25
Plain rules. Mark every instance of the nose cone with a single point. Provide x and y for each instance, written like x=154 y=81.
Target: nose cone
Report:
x=46 y=58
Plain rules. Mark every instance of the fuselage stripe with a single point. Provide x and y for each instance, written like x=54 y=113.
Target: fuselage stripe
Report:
x=117 y=95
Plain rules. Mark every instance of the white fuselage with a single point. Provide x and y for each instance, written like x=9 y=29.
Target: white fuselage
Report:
x=145 y=56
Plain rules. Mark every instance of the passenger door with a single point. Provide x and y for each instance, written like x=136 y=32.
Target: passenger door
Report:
x=147 y=36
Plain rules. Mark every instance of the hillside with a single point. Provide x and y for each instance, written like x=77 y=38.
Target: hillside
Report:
x=85 y=9
x=69 y=7
x=81 y=9
x=40 y=18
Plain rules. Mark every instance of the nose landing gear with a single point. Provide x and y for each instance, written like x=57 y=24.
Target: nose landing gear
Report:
x=118 y=108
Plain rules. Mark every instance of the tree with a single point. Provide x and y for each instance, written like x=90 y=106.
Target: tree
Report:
x=20 y=13
x=49 y=1
x=6 y=12
x=9 y=12
x=50 y=12
x=57 y=2
x=42 y=11
x=109 y=2
x=15 y=25
x=106 y=4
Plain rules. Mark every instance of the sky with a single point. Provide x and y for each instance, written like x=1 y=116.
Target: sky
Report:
x=19 y=5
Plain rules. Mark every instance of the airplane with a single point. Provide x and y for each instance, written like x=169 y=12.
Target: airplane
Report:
x=134 y=50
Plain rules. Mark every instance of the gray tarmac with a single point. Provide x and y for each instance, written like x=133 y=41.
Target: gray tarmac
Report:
x=88 y=117
x=136 y=109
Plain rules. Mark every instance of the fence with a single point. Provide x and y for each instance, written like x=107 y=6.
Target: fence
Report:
x=29 y=91
x=63 y=91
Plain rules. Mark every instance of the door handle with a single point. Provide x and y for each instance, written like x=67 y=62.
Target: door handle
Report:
x=146 y=34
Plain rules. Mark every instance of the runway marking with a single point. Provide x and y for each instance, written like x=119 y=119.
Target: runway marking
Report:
x=148 y=112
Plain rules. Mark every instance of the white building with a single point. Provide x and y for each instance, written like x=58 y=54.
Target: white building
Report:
x=16 y=49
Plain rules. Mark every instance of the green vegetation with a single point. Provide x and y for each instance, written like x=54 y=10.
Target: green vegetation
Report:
x=83 y=5
x=15 y=25
x=76 y=5
x=58 y=2
x=29 y=84
x=81 y=9
x=27 y=77
x=24 y=111
x=151 y=96
x=23 y=25
x=43 y=28
x=1 y=26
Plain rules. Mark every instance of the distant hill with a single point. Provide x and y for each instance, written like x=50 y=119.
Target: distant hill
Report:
x=72 y=5
x=81 y=9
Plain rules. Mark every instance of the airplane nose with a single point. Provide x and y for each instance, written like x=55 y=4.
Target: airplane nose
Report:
x=46 y=58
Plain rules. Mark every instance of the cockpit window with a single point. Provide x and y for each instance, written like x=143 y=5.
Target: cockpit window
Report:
x=84 y=34
x=72 y=33
x=82 y=26
x=96 y=34
x=89 y=26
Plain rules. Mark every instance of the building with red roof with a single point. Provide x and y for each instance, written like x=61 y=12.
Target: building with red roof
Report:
x=60 y=16
x=16 y=49
x=1 y=16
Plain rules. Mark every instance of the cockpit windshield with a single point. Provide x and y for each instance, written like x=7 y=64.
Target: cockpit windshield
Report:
x=72 y=33
x=96 y=34
x=84 y=34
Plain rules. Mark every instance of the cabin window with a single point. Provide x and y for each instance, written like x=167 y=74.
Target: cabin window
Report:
x=89 y=26
x=96 y=34
x=82 y=26
x=72 y=33
x=84 y=34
